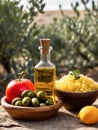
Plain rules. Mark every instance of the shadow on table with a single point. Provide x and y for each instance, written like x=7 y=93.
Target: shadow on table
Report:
x=62 y=121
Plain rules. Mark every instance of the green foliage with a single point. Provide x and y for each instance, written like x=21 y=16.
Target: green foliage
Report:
x=16 y=24
x=84 y=34
x=74 y=39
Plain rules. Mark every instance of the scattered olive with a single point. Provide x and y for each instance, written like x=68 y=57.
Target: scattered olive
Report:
x=49 y=102
x=26 y=101
x=15 y=100
x=35 y=102
x=42 y=104
x=41 y=95
x=32 y=94
x=18 y=103
x=25 y=93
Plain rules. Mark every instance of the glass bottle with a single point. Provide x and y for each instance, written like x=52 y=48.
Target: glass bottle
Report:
x=45 y=70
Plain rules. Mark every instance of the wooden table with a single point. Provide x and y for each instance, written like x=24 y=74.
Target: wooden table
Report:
x=64 y=120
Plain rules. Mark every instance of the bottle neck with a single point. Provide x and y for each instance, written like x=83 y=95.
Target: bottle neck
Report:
x=45 y=57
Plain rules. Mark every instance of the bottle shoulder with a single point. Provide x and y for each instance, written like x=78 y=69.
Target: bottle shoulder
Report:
x=45 y=64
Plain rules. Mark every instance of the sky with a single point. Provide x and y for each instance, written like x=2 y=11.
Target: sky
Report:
x=66 y=4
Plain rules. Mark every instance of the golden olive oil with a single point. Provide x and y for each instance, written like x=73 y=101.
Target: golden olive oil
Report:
x=45 y=70
x=44 y=79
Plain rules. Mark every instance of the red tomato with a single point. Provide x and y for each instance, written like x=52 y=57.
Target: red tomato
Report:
x=16 y=87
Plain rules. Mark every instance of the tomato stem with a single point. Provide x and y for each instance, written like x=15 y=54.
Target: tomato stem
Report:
x=21 y=75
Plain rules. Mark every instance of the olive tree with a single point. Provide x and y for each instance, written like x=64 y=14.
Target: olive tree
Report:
x=16 y=24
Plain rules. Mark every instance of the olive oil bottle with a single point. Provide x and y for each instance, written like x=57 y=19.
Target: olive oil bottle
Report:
x=45 y=70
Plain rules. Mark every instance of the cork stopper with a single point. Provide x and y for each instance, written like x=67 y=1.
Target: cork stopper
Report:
x=45 y=43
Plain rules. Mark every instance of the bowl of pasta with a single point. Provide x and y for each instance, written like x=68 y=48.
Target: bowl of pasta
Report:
x=76 y=91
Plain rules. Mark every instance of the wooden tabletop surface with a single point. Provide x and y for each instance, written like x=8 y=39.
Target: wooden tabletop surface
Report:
x=64 y=120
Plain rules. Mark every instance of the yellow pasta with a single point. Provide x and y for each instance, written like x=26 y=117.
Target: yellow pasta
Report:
x=83 y=84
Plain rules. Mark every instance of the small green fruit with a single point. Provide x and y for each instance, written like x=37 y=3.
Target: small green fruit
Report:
x=15 y=100
x=35 y=102
x=26 y=101
x=18 y=103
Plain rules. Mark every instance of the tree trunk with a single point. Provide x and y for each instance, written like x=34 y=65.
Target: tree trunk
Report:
x=5 y=63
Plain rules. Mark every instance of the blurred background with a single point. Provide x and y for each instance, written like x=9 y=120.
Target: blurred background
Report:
x=71 y=25
x=54 y=4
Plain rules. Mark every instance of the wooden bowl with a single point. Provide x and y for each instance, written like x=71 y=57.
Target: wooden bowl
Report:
x=31 y=113
x=74 y=101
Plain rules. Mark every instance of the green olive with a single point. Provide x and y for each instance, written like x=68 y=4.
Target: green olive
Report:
x=25 y=93
x=15 y=100
x=49 y=98
x=49 y=101
x=26 y=101
x=18 y=103
x=41 y=95
x=35 y=102
x=42 y=104
x=32 y=94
